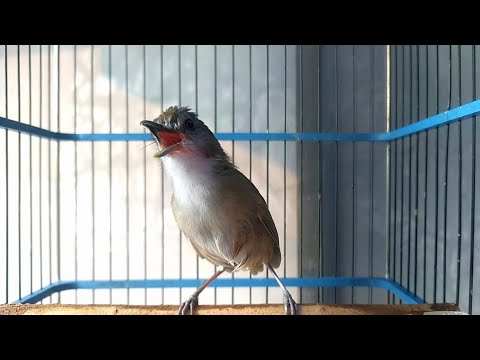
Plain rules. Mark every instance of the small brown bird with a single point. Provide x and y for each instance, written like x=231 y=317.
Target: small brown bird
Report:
x=217 y=208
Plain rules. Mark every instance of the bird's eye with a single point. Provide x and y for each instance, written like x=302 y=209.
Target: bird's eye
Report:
x=189 y=124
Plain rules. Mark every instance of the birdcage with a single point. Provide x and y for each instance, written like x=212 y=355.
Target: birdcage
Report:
x=366 y=156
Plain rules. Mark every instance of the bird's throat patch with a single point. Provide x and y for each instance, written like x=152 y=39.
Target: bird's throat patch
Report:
x=168 y=138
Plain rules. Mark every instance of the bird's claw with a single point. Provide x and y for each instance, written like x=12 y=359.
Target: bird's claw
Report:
x=289 y=304
x=188 y=306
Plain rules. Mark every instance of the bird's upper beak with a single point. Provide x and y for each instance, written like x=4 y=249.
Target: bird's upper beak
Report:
x=168 y=139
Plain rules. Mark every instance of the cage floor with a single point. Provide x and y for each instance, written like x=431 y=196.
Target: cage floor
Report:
x=269 y=309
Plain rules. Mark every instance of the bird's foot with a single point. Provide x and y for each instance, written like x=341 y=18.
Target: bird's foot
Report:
x=290 y=304
x=187 y=306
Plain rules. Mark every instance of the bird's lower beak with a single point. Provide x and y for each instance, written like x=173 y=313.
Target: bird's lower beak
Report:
x=168 y=139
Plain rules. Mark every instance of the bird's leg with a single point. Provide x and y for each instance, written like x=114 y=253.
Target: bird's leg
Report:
x=287 y=297
x=193 y=299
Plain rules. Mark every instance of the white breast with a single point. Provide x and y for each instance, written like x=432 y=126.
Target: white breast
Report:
x=192 y=179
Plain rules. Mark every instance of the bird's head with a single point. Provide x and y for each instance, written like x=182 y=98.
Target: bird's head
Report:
x=179 y=132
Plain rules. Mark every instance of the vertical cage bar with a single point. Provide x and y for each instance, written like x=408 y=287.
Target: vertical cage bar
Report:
x=19 y=195
x=233 y=130
x=145 y=264
x=197 y=265
x=250 y=124
x=320 y=295
x=7 y=237
x=388 y=164
x=110 y=207
x=371 y=164
x=50 y=256
x=268 y=146
x=407 y=97
x=408 y=119
x=389 y=210
x=472 y=207
x=460 y=171
x=412 y=209
x=391 y=166
x=437 y=189
x=127 y=166
x=354 y=171
x=58 y=173
x=285 y=164
x=179 y=68
x=422 y=111
x=466 y=95
x=430 y=185
x=30 y=165
x=397 y=173
x=454 y=201
x=446 y=179
x=163 y=178
x=337 y=211
x=426 y=180
x=75 y=160
x=417 y=194
x=215 y=129
x=92 y=155
x=380 y=185
x=40 y=238
x=396 y=161
x=301 y=162
x=402 y=162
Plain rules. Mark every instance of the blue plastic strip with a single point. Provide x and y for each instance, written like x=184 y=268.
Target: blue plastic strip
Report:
x=387 y=284
x=456 y=114
x=447 y=117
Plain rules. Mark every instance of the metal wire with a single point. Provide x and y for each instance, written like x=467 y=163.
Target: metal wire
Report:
x=180 y=242
x=75 y=161
x=267 y=158
x=301 y=115
x=215 y=267
x=145 y=250
x=49 y=167
x=372 y=177
x=250 y=128
x=320 y=294
x=337 y=254
x=19 y=195
x=447 y=157
x=7 y=192
x=163 y=177
x=425 y=197
x=422 y=211
x=92 y=163
x=110 y=202
x=30 y=163
x=354 y=190
x=417 y=166
x=127 y=166
x=473 y=198
x=459 y=240
x=285 y=166
x=197 y=262
x=233 y=130
x=40 y=212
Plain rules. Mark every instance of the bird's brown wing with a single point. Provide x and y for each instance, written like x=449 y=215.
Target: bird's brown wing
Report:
x=266 y=219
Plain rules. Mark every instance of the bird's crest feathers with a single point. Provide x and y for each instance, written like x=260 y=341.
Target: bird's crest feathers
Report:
x=172 y=113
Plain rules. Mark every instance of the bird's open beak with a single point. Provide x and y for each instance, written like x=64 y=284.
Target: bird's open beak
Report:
x=168 y=139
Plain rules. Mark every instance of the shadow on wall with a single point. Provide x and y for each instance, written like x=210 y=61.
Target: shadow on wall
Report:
x=124 y=226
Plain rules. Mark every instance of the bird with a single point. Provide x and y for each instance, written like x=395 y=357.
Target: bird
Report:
x=216 y=207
